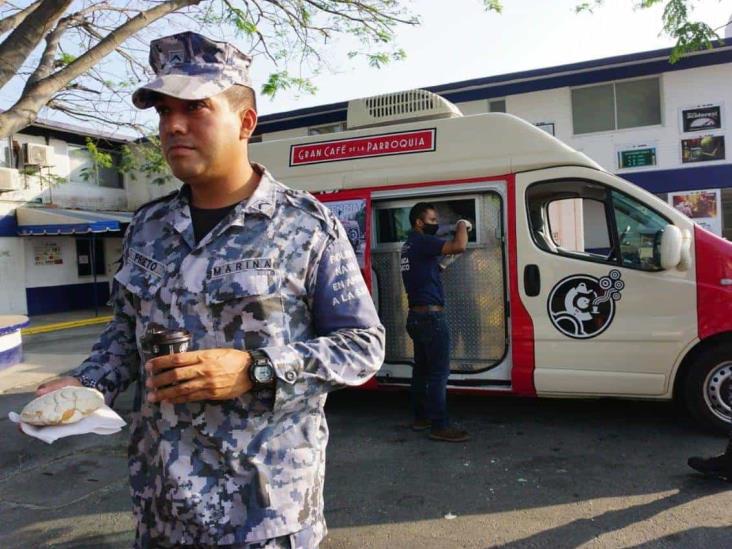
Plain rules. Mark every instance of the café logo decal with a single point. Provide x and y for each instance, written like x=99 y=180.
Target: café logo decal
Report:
x=582 y=306
x=389 y=144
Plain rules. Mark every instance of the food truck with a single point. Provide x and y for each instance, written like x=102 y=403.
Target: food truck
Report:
x=575 y=282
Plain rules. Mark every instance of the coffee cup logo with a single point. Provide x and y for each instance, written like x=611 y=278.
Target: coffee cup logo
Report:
x=582 y=306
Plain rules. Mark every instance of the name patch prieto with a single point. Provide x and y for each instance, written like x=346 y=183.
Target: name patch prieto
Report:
x=241 y=265
x=147 y=263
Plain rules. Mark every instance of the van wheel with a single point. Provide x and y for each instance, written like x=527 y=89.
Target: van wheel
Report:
x=707 y=388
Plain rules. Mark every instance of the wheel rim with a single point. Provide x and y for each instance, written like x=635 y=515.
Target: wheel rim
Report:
x=717 y=390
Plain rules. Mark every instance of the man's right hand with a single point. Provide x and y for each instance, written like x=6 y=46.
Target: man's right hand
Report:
x=468 y=224
x=58 y=383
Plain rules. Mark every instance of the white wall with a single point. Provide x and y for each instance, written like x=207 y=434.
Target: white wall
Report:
x=37 y=276
x=12 y=276
x=285 y=134
x=473 y=107
x=65 y=195
x=678 y=89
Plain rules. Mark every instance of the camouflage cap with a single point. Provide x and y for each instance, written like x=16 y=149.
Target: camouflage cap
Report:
x=190 y=66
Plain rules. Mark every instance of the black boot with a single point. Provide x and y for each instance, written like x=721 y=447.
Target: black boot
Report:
x=720 y=466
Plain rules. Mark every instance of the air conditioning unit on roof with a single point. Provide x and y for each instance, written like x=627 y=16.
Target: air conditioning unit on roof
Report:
x=393 y=108
x=37 y=155
x=9 y=180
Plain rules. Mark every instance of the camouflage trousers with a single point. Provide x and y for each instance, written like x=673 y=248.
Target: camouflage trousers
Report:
x=282 y=542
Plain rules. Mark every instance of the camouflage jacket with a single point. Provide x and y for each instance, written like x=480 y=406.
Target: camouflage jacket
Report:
x=278 y=274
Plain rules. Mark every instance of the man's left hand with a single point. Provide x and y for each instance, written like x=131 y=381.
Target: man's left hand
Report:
x=213 y=374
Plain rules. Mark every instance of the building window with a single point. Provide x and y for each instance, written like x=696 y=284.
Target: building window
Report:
x=84 y=256
x=327 y=128
x=616 y=106
x=6 y=154
x=497 y=105
x=83 y=170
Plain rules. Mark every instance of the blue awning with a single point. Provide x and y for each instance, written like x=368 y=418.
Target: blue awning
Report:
x=58 y=221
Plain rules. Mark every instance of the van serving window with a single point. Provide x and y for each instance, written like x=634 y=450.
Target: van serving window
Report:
x=392 y=222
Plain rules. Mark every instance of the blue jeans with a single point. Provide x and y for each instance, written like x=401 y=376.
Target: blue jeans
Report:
x=431 y=337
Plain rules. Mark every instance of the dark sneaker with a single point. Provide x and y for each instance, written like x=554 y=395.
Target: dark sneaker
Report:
x=449 y=434
x=720 y=466
x=421 y=425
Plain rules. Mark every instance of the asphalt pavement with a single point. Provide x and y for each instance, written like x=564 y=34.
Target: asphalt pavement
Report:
x=538 y=473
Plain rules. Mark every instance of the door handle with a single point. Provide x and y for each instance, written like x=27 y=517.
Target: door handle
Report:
x=532 y=280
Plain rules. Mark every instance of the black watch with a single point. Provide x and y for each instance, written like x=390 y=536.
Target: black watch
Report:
x=261 y=371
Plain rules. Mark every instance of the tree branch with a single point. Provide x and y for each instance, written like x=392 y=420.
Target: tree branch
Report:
x=12 y=21
x=26 y=109
x=22 y=41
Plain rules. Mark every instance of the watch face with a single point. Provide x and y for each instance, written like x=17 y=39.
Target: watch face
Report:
x=263 y=374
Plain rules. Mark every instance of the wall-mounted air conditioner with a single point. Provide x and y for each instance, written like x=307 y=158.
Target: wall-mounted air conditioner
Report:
x=9 y=180
x=37 y=155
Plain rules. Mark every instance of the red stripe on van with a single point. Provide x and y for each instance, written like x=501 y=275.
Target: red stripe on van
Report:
x=522 y=328
x=713 y=300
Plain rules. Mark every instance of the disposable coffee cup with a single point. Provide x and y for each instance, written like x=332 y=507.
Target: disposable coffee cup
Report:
x=161 y=342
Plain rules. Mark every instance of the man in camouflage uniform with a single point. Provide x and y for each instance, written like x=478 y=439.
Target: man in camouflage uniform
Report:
x=218 y=456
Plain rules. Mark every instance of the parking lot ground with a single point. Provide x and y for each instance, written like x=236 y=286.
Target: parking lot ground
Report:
x=538 y=473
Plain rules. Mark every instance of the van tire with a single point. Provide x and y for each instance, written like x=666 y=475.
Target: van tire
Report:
x=706 y=383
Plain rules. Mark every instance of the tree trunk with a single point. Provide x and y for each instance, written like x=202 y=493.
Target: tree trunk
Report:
x=25 y=111
x=19 y=44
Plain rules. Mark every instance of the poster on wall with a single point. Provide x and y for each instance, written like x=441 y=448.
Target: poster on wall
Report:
x=47 y=253
x=636 y=156
x=706 y=148
x=548 y=127
x=701 y=118
x=352 y=215
x=703 y=207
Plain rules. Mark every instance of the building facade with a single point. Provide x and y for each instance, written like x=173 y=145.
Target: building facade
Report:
x=61 y=220
x=663 y=127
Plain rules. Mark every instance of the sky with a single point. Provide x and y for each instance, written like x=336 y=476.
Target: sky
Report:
x=458 y=40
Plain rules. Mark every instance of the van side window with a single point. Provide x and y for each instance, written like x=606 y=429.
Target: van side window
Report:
x=580 y=225
x=589 y=221
x=570 y=218
x=639 y=233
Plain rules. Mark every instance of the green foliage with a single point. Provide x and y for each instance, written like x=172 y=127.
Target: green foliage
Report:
x=493 y=5
x=99 y=159
x=690 y=35
x=279 y=81
x=145 y=157
x=65 y=59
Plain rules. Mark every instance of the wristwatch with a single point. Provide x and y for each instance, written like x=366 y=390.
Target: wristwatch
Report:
x=261 y=371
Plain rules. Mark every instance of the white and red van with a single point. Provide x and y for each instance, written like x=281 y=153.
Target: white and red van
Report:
x=575 y=283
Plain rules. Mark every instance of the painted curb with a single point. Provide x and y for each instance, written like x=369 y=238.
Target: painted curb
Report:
x=65 y=325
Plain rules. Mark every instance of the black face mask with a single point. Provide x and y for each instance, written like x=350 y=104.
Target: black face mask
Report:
x=430 y=228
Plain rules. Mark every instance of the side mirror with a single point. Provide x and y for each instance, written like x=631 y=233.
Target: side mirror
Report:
x=671 y=247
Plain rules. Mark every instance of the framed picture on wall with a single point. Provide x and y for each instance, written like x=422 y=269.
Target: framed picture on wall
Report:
x=703 y=207
x=47 y=253
x=642 y=155
x=701 y=118
x=548 y=127
x=706 y=148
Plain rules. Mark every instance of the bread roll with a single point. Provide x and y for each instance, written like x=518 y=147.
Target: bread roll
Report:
x=62 y=406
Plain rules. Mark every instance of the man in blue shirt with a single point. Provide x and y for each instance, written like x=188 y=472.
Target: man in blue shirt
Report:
x=426 y=323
